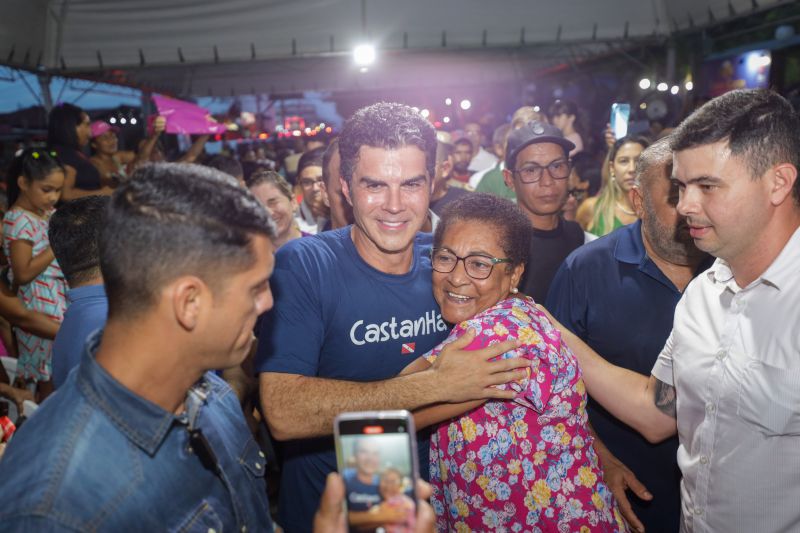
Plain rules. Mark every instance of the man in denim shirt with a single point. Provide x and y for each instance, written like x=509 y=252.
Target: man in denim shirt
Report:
x=141 y=436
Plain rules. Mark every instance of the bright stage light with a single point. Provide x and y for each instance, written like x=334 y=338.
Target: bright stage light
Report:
x=364 y=55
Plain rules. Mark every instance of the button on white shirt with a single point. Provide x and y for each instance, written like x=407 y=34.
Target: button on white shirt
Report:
x=734 y=358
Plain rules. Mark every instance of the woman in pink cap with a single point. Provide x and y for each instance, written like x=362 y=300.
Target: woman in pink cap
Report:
x=113 y=164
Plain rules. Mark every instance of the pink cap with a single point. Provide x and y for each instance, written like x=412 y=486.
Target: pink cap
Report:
x=99 y=127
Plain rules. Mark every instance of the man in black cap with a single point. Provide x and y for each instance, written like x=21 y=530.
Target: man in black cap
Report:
x=537 y=169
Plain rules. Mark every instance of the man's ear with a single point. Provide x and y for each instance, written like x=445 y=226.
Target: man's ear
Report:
x=346 y=190
x=516 y=275
x=447 y=166
x=782 y=182
x=508 y=177
x=637 y=201
x=189 y=295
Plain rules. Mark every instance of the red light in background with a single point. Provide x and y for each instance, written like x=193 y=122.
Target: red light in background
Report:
x=373 y=430
x=263 y=135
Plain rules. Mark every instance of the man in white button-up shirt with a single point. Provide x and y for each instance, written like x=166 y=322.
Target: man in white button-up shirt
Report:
x=728 y=379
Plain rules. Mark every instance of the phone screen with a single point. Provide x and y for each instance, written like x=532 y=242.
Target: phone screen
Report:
x=620 y=114
x=376 y=454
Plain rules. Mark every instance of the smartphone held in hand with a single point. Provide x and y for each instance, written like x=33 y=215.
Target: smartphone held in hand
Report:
x=377 y=458
x=620 y=114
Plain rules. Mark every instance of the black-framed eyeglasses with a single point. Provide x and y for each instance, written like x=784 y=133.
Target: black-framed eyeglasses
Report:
x=558 y=170
x=307 y=183
x=477 y=266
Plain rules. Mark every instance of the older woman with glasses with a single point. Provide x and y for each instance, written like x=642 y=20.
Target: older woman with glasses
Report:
x=508 y=465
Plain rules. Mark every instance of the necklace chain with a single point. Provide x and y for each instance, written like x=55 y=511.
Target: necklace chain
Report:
x=624 y=209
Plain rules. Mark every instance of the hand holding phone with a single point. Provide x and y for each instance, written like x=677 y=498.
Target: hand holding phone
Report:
x=620 y=114
x=377 y=458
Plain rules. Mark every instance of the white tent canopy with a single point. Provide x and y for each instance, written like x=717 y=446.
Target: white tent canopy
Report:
x=218 y=47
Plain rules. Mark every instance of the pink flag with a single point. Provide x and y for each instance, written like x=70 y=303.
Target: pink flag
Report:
x=184 y=117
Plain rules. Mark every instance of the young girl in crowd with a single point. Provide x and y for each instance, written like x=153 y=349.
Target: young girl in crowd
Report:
x=35 y=181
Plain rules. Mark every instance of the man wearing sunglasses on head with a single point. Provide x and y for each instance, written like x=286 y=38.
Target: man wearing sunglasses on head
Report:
x=537 y=169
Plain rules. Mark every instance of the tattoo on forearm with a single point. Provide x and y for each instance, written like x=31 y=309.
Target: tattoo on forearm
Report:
x=665 y=398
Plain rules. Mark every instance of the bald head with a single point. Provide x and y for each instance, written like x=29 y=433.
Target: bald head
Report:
x=655 y=198
x=654 y=163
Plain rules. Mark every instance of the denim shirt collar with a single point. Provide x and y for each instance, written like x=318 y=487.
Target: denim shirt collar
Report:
x=144 y=423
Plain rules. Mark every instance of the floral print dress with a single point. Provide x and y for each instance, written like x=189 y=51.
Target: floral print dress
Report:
x=527 y=464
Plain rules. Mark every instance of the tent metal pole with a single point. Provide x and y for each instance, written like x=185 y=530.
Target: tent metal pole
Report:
x=44 y=87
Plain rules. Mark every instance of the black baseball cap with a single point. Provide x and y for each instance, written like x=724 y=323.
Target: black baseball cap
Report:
x=530 y=133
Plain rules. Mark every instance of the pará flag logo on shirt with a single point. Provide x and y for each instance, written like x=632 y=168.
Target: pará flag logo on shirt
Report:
x=408 y=347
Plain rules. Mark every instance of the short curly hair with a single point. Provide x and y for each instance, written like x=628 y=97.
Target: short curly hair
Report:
x=385 y=125
x=513 y=227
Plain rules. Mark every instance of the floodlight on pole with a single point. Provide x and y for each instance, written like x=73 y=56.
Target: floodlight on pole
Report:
x=448 y=101
x=364 y=55
x=689 y=86
x=674 y=89
x=644 y=84
x=465 y=104
x=425 y=113
x=446 y=120
x=662 y=87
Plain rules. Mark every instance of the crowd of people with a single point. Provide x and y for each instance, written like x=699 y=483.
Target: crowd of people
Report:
x=587 y=340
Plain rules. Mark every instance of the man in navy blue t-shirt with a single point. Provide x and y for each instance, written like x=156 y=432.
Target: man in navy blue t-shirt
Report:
x=619 y=294
x=354 y=307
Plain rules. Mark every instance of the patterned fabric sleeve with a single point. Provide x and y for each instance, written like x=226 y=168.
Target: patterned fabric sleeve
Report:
x=18 y=225
x=501 y=323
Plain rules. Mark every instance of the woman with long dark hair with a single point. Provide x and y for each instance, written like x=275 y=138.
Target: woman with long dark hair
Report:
x=68 y=131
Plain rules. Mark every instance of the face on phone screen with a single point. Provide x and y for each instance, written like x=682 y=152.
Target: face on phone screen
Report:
x=378 y=474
